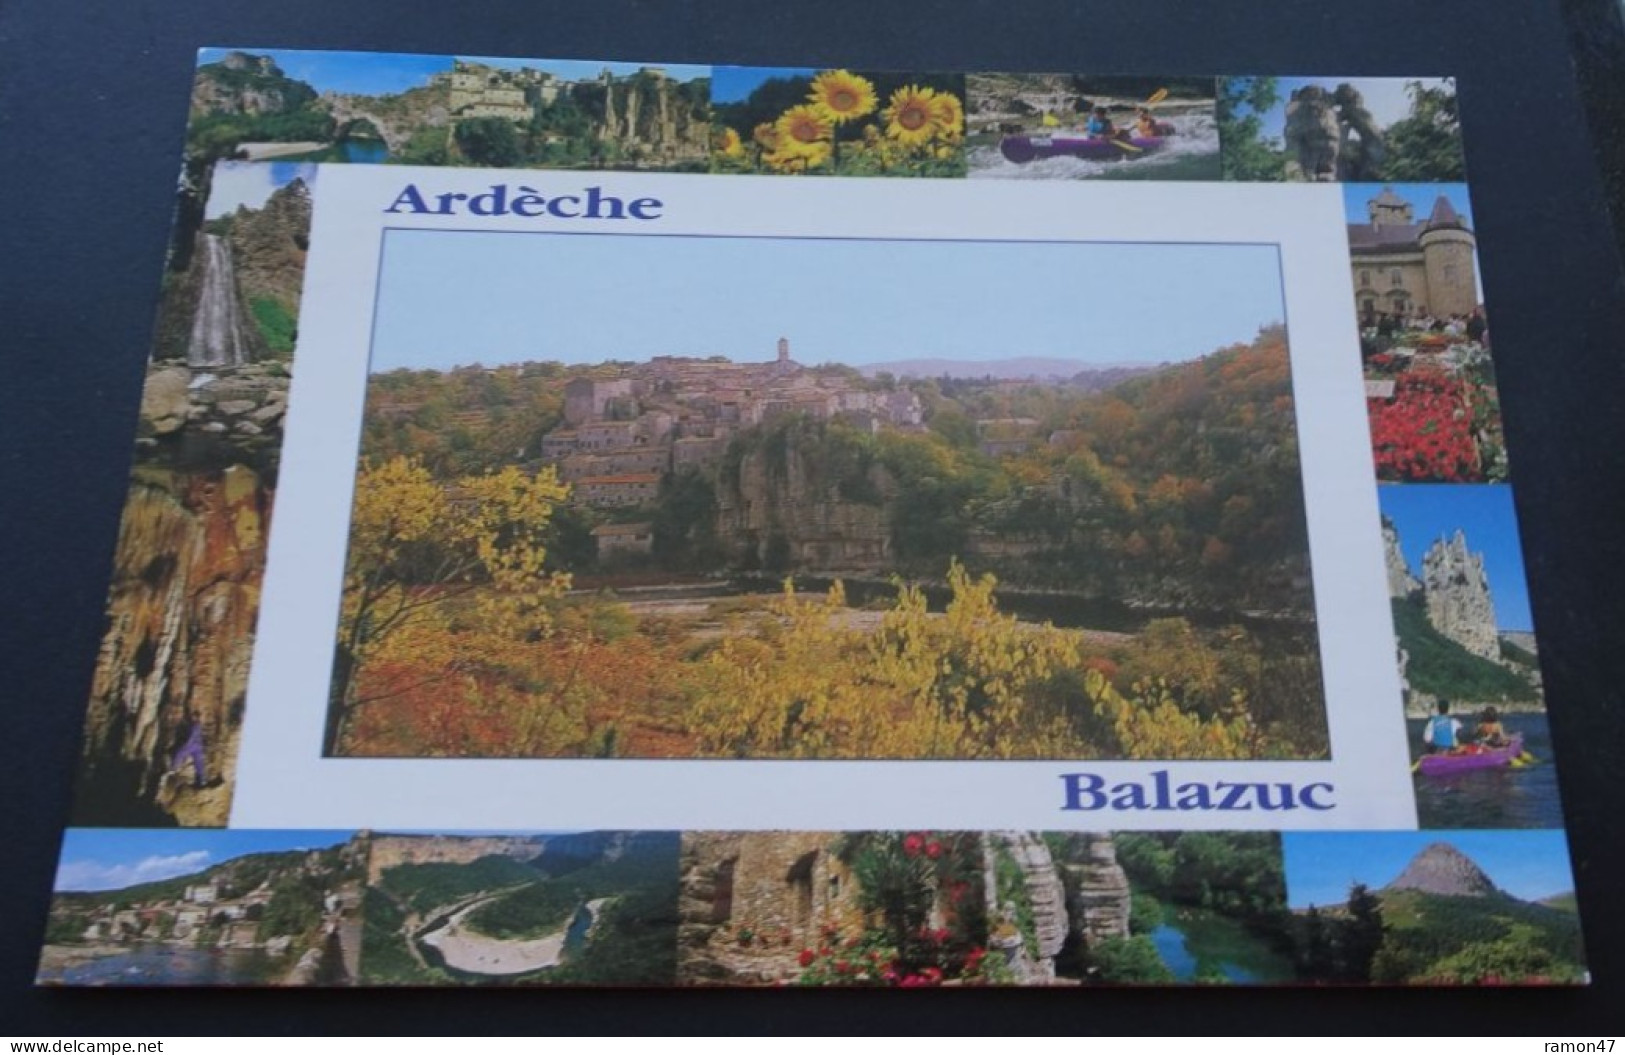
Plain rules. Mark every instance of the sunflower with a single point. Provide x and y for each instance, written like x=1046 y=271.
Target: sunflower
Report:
x=911 y=117
x=766 y=136
x=727 y=144
x=841 y=96
x=949 y=114
x=803 y=130
x=798 y=160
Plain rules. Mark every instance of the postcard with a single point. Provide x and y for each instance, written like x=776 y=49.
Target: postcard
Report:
x=624 y=524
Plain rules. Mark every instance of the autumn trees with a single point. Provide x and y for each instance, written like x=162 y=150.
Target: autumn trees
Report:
x=427 y=559
x=971 y=682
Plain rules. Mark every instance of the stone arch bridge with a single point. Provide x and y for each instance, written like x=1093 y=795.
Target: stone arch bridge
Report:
x=350 y=110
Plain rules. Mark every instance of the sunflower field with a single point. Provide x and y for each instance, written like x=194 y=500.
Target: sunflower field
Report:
x=837 y=122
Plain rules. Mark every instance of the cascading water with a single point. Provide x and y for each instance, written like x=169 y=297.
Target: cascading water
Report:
x=217 y=328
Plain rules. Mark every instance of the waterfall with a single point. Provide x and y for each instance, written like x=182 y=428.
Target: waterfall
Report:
x=217 y=328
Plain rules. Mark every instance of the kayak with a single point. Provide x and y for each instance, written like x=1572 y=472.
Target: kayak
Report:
x=1024 y=148
x=1488 y=758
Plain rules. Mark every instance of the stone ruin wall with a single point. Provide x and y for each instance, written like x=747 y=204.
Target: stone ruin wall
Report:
x=749 y=902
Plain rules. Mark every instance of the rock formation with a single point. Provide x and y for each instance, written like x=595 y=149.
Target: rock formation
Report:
x=785 y=515
x=1312 y=135
x=652 y=118
x=1442 y=869
x=1097 y=889
x=269 y=244
x=1045 y=903
x=391 y=851
x=1458 y=600
x=1401 y=583
x=181 y=611
x=246 y=84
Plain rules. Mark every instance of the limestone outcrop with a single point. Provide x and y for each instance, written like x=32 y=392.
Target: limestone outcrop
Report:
x=269 y=245
x=242 y=83
x=1097 y=889
x=180 y=623
x=391 y=851
x=1401 y=583
x=1044 y=911
x=1457 y=592
x=782 y=514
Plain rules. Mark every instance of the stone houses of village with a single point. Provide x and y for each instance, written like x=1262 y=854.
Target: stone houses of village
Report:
x=676 y=413
x=201 y=894
x=612 y=492
x=623 y=540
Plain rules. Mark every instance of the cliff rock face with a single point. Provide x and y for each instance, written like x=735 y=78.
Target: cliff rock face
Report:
x=1458 y=596
x=1097 y=890
x=576 y=847
x=1046 y=897
x=246 y=84
x=269 y=245
x=1442 y=869
x=781 y=517
x=1401 y=583
x=390 y=851
x=184 y=597
x=652 y=118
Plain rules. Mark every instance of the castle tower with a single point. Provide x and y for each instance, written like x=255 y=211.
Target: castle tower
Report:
x=1388 y=210
x=784 y=349
x=1447 y=256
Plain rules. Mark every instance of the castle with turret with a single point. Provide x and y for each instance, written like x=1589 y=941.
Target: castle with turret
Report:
x=1402 y=268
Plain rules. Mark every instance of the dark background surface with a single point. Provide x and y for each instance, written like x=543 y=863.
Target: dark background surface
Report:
x=93 y=100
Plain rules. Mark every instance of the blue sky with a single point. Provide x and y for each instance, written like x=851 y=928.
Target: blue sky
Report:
x=1385 y=98
x=1425 y=512
x=450 y=298
x=1421 y=197
x=385 y=73
x=115 y=858
x=730 y=84
x=250 y=183
x=1320 y=866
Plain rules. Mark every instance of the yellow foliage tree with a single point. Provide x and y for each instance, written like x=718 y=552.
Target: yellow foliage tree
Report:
x=969 y=683
x=417 y=548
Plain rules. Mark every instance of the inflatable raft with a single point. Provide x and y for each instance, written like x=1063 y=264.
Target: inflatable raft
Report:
x=1484 y=758
x=1024 y=148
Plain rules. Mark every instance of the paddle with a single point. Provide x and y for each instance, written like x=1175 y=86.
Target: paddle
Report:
x=1153 y=99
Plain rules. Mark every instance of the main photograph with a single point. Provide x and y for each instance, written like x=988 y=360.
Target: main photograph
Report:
x=634 y=496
